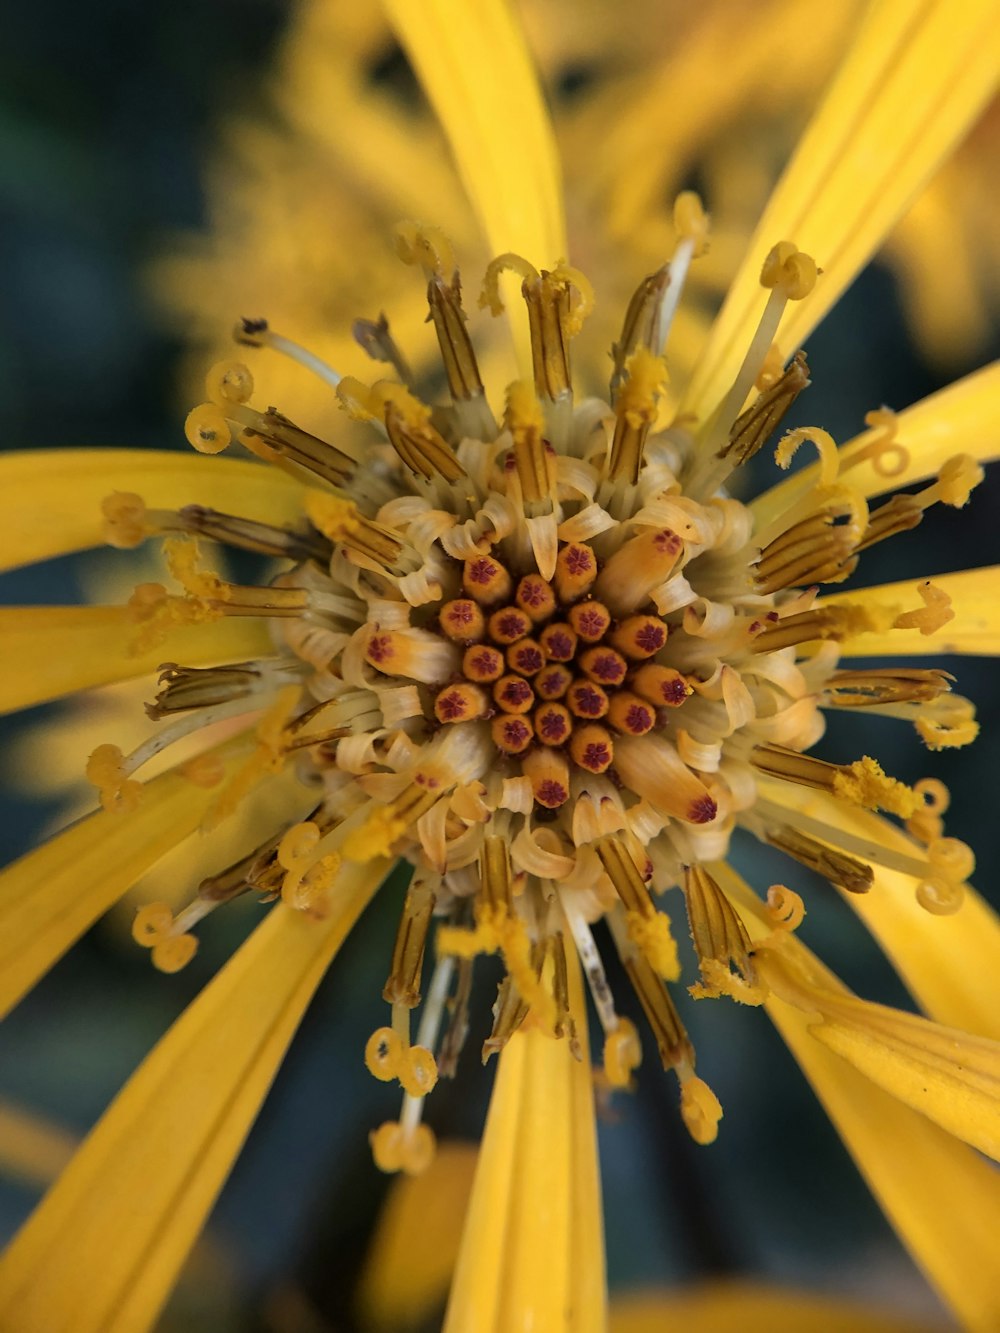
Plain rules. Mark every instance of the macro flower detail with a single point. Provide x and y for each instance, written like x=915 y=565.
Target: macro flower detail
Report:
x=535 y=648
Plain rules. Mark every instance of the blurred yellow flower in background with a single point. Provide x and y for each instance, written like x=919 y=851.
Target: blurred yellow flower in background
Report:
x=543 y=656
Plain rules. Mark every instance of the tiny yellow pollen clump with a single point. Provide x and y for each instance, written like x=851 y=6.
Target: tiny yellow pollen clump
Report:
x=790 y=269
x=207 y=430
x=375 y=837
x=182 y=555
x=106 y=771
x=229 y=382
x=691 y=222
x=701 y=1110
x=397 y=1148
x=334 y=517
x=864 y=783
x=523 y=411
x=646 y=379
x=651 y=934
x=622 y=1054
x=124 y=520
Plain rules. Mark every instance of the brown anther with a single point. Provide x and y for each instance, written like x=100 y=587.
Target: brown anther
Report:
x=558 y=642
x=639 y=636
x=482 y=664
x=604 y=666
x=485 y=580
x=662 y=686
x=553 y=724
x=816 y=550
x=403 y=983
x=720 y=939
x=885 y=685
x=822 y=622
x=550 y=323
x=513 y=694
x=457 y=354
x=532 y=457
x=526 y=657
x=586 y=700
x=591 y=620
x=460 y=703
x=631 y=715
x=576 y=570
x=553 y=682
x=373 y=336
x=835 y=866
x=548 y=772
x=508 y=625
x=280 y=435
x=462 y=620
x=754 y=427
x=512 y=735
x=247 y=535
x=642 y=324
x=535 y=597
x=899 y=514
x=592 y=748
x=420 y=445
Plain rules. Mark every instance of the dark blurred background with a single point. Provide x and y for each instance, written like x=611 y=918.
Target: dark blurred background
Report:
x=106 y=116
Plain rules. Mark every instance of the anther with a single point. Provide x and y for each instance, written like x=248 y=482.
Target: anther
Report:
x=753 y=428
x=533 y=461
x=720 y=940
x=836 y=866
x=590 y=620
x=375 y=339
x=635 y=412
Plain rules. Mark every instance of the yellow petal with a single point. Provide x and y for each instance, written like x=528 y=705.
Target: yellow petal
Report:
x=910 y=87
x=102 y=1250
x=51 y=896
x=751 y=1308
x=975 y=628
x=941 y=1197
x=962 y=419
x=50 y=499
x=477 y=72
x=412 y=1255
x=50 y=651
x=532 y=1255
x=947 y=962
x=947 y=1075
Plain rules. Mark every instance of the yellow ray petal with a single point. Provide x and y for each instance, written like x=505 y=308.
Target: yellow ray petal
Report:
x=751 y=1308
x=941 y=1197
x=962 y=419
x=412 y=1255
x=52 y=895
x=32 y=1149
x=50 y=499
x=50 y=651
x=947 y=962
x=102 y=1250
x=909 y=89
x=975 y=628
x=532 y=1254
x=476 y=70
x=945 y=1074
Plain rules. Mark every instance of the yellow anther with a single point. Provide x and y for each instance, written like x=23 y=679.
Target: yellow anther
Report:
x=958 y=478
x=427 y=246
x=865 y=784
x=569 y=276
x=229 y=382
x=940 y=897
x=384 y=1054
x=207 y=430
x=106 y=771
x=790 y=269
x=691 y=222
x=173 y=953
x=651 y=935
x=826 y=447
x=152 y=923
x=935 y=612
x=396 y=1148
x=622 y=1054
x=417 y=1071
x=124 y=520
x=489 y=297
x=523 y=411
x=700 y=1109
x=646 y=378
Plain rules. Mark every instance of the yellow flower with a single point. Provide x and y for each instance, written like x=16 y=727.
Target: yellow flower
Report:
x=541 y=655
